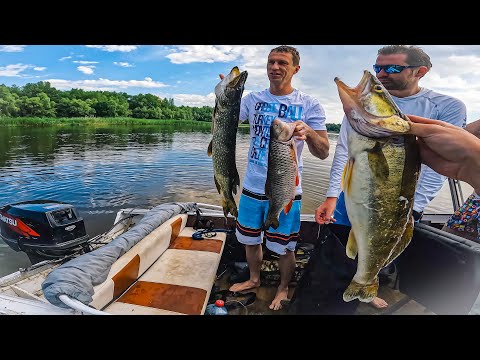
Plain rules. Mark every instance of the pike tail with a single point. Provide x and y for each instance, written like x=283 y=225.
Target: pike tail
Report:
x=362 y=292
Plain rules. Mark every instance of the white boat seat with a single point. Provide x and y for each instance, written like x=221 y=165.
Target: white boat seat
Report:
x=166 y=273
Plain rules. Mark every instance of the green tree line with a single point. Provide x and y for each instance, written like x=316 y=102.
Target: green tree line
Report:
x=41 y=100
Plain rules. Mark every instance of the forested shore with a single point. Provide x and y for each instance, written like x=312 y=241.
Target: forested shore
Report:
x=40 y=104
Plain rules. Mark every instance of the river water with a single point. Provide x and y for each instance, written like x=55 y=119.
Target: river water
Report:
x=100 y=170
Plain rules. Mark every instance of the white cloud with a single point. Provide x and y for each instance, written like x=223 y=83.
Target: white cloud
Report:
x=88 y=70
x=123 y=64
x=39 y=68
x=105 y=84
x=205 y=53
x=192 y=99
x=12 y=48
x=65 y=58
x=84 y=62
x=14 y=69
x=112 y=48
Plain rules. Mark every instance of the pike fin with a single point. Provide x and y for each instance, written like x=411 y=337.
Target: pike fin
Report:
x=209 y=151
x=217 y=184
x=229 y=206
x=347 y=175
x=377 y=162
x=352 y=249
x=362 y=292
x=215 y=109
x=403 y=242
x=288 y=207
x=235 y=182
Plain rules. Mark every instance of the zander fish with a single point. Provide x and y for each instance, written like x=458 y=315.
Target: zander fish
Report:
x=282 y=173
x=379 y=182
x=228 y=93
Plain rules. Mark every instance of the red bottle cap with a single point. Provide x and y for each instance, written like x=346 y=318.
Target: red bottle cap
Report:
x=219 y=303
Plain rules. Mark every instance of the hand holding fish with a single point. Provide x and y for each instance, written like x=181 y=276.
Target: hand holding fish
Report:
x=324 y=213
x=448 y=149
x=317 y=141
x=302 y=131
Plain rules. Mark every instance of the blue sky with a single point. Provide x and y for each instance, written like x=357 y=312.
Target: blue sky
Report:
x=189 y=73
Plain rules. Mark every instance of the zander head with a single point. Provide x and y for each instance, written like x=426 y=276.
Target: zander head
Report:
x=370 y=108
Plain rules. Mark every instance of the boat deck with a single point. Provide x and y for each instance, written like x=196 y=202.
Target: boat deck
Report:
x=399 y=303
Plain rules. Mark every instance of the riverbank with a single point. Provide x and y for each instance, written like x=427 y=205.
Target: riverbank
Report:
x=94 y=121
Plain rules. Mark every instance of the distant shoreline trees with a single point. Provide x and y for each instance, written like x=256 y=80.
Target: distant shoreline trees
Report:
x=41 y=100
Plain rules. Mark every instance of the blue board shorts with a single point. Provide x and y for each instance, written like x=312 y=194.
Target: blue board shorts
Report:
x=340 y=213
x=252 y=213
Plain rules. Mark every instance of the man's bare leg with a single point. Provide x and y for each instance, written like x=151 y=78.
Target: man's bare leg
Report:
x=254 y=256
x=286 y=264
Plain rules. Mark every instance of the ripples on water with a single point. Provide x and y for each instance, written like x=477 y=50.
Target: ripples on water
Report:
x=101 y=170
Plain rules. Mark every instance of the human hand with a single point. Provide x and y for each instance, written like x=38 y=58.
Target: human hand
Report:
x=221 y=76
x=324 y=213
x=447 y=149
x=474 y=128
x=302 y=130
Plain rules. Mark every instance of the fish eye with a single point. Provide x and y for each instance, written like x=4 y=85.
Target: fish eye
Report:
x=378 y=89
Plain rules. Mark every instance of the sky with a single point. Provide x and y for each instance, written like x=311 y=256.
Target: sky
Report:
x=189 y=73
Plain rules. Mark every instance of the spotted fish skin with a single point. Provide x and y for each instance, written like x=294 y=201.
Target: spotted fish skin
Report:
x=282 y=173
x=379 y=182
x=222 y=148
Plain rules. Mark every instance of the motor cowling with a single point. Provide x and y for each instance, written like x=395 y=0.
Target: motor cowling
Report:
x=42 y=228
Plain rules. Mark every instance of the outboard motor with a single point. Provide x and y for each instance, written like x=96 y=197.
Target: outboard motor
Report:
x=43 y=229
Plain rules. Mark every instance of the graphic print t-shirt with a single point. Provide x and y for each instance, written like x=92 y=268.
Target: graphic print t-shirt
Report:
x=260 y=109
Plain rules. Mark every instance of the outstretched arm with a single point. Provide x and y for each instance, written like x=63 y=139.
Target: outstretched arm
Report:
x=448 y=149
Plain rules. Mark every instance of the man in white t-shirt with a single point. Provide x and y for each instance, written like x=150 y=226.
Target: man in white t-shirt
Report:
x=399 y=68
x=288 y=104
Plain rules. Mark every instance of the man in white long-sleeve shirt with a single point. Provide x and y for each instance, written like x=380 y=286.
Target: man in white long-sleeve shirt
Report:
x=399 y=68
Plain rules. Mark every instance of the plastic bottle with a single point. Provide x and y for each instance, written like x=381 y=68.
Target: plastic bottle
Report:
x=216 y=309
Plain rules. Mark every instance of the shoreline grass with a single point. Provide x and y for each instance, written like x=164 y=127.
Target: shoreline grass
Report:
x=87 y=121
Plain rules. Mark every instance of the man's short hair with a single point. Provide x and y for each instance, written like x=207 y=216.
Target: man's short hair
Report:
x=288 y=49
x=415 y=55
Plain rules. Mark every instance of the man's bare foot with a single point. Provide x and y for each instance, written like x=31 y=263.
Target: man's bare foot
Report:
x=379 y=303
x=279 y=296
x=246 y=285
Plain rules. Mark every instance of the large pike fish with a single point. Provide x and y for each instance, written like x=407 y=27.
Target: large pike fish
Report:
x=379 y=182
x=282 y=173
x=228 y=94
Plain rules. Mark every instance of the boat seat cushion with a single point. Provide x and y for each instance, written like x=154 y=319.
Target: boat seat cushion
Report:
x=127 y=269
x=178 y=282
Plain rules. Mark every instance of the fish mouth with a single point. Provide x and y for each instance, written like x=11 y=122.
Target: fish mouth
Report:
x=237 y=79
x=370 y=109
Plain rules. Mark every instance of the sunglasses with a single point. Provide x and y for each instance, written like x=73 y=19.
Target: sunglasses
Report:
x=392 y=69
